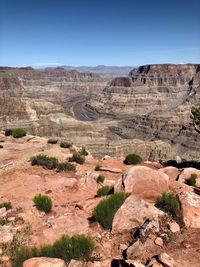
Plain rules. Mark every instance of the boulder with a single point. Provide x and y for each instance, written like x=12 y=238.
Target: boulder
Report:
x=190 y=205
x=186 y=173
x=5 y=235
x=44 y=262
x=171 y=172
x=133 y=213
x=144 y=182
x=166 y=260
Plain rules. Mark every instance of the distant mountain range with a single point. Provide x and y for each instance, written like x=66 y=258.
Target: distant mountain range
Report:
x=103 y=70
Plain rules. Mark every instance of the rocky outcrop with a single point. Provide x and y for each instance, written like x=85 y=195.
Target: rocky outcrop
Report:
x=155 y=102
x=44 y=262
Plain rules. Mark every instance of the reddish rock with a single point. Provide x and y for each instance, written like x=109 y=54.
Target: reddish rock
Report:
x=186 y=174
x=166 y=260
x=172 y=172
x=158 y=241
x=144 y=182
x=44 y=262
x=174 y=227
x=132 y=214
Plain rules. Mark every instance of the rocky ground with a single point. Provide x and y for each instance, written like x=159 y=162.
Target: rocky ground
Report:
x=141 y=234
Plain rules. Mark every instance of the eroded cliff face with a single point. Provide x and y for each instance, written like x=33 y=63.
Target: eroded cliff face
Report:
x=154 y=103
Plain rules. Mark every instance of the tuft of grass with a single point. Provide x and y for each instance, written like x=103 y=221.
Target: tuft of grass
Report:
x=65 y=166
x=97 y=168
x=18 y=132
x=100 y=179
x=52 y=141
x=78 y=158
x=168 y=202
x=192 y=180
x=7 y=205
x=132 y=159
x=43 y=203
x=65 y=144
x=105 y=190
x=105 y=211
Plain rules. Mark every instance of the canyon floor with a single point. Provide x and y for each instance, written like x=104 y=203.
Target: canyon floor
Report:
x=74 y=198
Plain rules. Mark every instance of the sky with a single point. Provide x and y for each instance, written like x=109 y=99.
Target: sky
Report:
x=99 y=32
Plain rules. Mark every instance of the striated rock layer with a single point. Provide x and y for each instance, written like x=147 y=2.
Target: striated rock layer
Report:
x=154 y=103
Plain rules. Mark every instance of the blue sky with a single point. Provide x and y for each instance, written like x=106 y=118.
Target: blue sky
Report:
x=86 y=32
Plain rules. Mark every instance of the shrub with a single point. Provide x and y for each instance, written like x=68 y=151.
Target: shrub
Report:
x=78 y=247
x=43 y=203
x=97 y=168
x=7 y=205
x=105 y=190
x=8 y=132
x=196 y=115
x=83 y=151
x=43 y=160
x=192 y=180
x=100 y=179
x=169 y=203
x=65 y=166
x=65 y=145
x=77 y=158
x=53 y=141
x=18 y=133
x=132 y=159
x=104 y=212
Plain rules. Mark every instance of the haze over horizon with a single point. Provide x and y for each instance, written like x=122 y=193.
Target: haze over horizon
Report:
x=90 y=33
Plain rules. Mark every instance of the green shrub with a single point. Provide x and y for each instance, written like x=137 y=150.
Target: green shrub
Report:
x=78 y=247
x=8 y=132
x=83 y=151
x=100 y=179
x=43 y=203
x=192 y=180
x=169 y=203
x=80 y=159
x=97 y=168
x=105 y=190
x=104 y=212
x=65 y=166
x=53 y=141
x=132 y=159
x=43 y=160
x=65 y=145
x=18 y=133
x=7 y=205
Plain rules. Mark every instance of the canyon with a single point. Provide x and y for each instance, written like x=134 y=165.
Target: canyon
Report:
x=147 y=112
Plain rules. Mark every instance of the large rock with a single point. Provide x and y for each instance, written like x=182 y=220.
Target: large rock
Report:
x=186 y=174
x=190 y=205
x=44 y=262
x=144 y=182
x=172 y=172
x=133 y=213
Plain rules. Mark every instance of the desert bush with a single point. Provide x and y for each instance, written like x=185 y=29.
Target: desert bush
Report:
x=169 y=203
x=8 y=132
x=65 y=144
x=132 y=159
x=100 y=179
x=192 y=180
x=43 y=203
x=65 y=166
x=196 y=115
x=52 y=141
x=43 y=160
x=7 y=205
x=105 y=190
x=104 y=212
x=18 y=132
x=97 y=168
x=83 y=151
x=80 y=159
x=78 y=247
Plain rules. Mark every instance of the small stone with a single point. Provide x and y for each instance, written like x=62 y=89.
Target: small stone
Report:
x=3 y=212
x=158 y=241
x=166 y=259
x=122 y=247
x=174 y=227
